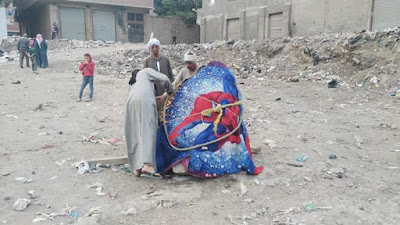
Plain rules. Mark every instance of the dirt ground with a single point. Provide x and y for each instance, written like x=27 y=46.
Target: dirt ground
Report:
x=309 y=122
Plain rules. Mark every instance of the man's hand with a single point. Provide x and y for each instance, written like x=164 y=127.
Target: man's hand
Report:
x=161 y=98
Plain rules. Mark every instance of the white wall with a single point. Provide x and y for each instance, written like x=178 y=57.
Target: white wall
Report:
x=3 y=21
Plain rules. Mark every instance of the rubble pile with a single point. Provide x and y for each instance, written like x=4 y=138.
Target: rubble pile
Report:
x=8 y=44
x=360 y=59
x=65 y=44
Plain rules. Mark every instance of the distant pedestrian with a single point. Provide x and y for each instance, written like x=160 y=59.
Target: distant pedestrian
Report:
x=23 y=46
x=87 y=68
x=55 y=31
x=41 y=52
x=32 y=55
x=174 y=40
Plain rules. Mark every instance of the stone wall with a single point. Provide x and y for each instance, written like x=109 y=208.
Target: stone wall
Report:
x=166 y=27
x=310 y=17
x=300 y=17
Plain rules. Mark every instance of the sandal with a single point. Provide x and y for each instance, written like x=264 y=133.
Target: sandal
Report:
x=152 y=175
x=137 y=173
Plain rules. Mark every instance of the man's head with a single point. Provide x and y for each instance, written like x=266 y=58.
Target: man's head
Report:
x=31 y=42
x=190 y=59
x=154 y=46
x=133 y=78
x=155 y=50
x=54 y=24
x=25 y=35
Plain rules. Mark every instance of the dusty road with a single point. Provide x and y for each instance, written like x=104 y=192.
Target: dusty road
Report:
x=310 y=122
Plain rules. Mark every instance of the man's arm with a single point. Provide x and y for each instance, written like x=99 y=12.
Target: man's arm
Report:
x=178 y=78
x=157 y=76
x=170 y=74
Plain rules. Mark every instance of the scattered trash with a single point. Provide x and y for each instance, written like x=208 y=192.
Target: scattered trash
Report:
x=16 y=82
x=31 y=194
x=43 y=133
x=48 y=146
x=74 y=214
x=12 y=116
x=114 y=141
x=332 y=84
x=64 y=161
x=243 y=189
x=85 y=167
x=93 y=211
x=226 y=191
x=39 y=107
x=302 y=158
x=21 y=204
x=256 y=149
x=294 y=165
x=309 y=207
x=165 y=204
x=278 y=99
x=99 y=187
x=130 y=212
x=23 y=180
x=112 y=193
x=332 y=156
x=257 y=181
x=294 y=79
x=40 y=218
x=126 y=168
x=271 y=143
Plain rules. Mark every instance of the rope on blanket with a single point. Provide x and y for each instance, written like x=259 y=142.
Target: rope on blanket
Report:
x=207 y=112
x=218 y=109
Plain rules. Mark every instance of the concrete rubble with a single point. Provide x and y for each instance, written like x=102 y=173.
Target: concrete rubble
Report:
x=361 y=59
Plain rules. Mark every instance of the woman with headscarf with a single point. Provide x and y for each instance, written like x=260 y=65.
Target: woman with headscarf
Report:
x=41 y=52
x=141 y=120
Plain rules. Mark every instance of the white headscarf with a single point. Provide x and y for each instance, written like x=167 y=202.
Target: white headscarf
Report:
x=190 y=56
x=152 y=42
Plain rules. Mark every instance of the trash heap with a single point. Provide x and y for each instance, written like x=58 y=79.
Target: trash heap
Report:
x=65 y=44
x=365 y=59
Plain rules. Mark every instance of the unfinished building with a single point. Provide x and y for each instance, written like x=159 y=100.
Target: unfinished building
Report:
x=264 y=19
x=115 y=20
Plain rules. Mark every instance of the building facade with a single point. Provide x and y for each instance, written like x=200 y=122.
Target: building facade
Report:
x=106 y=20
x=264 y=19
x=3 y=20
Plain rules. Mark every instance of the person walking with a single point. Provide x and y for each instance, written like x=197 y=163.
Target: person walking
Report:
x=23 y=46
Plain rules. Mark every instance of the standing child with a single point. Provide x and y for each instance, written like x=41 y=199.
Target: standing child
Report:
x=31 y=53
x=87 y=68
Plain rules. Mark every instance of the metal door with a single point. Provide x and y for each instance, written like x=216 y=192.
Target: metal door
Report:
x=275 y=25
x=72 y=23
x=386 y=14
x=135 y=32
x=104 y=25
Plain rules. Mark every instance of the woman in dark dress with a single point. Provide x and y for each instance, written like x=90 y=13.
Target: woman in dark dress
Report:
x=41 y=52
